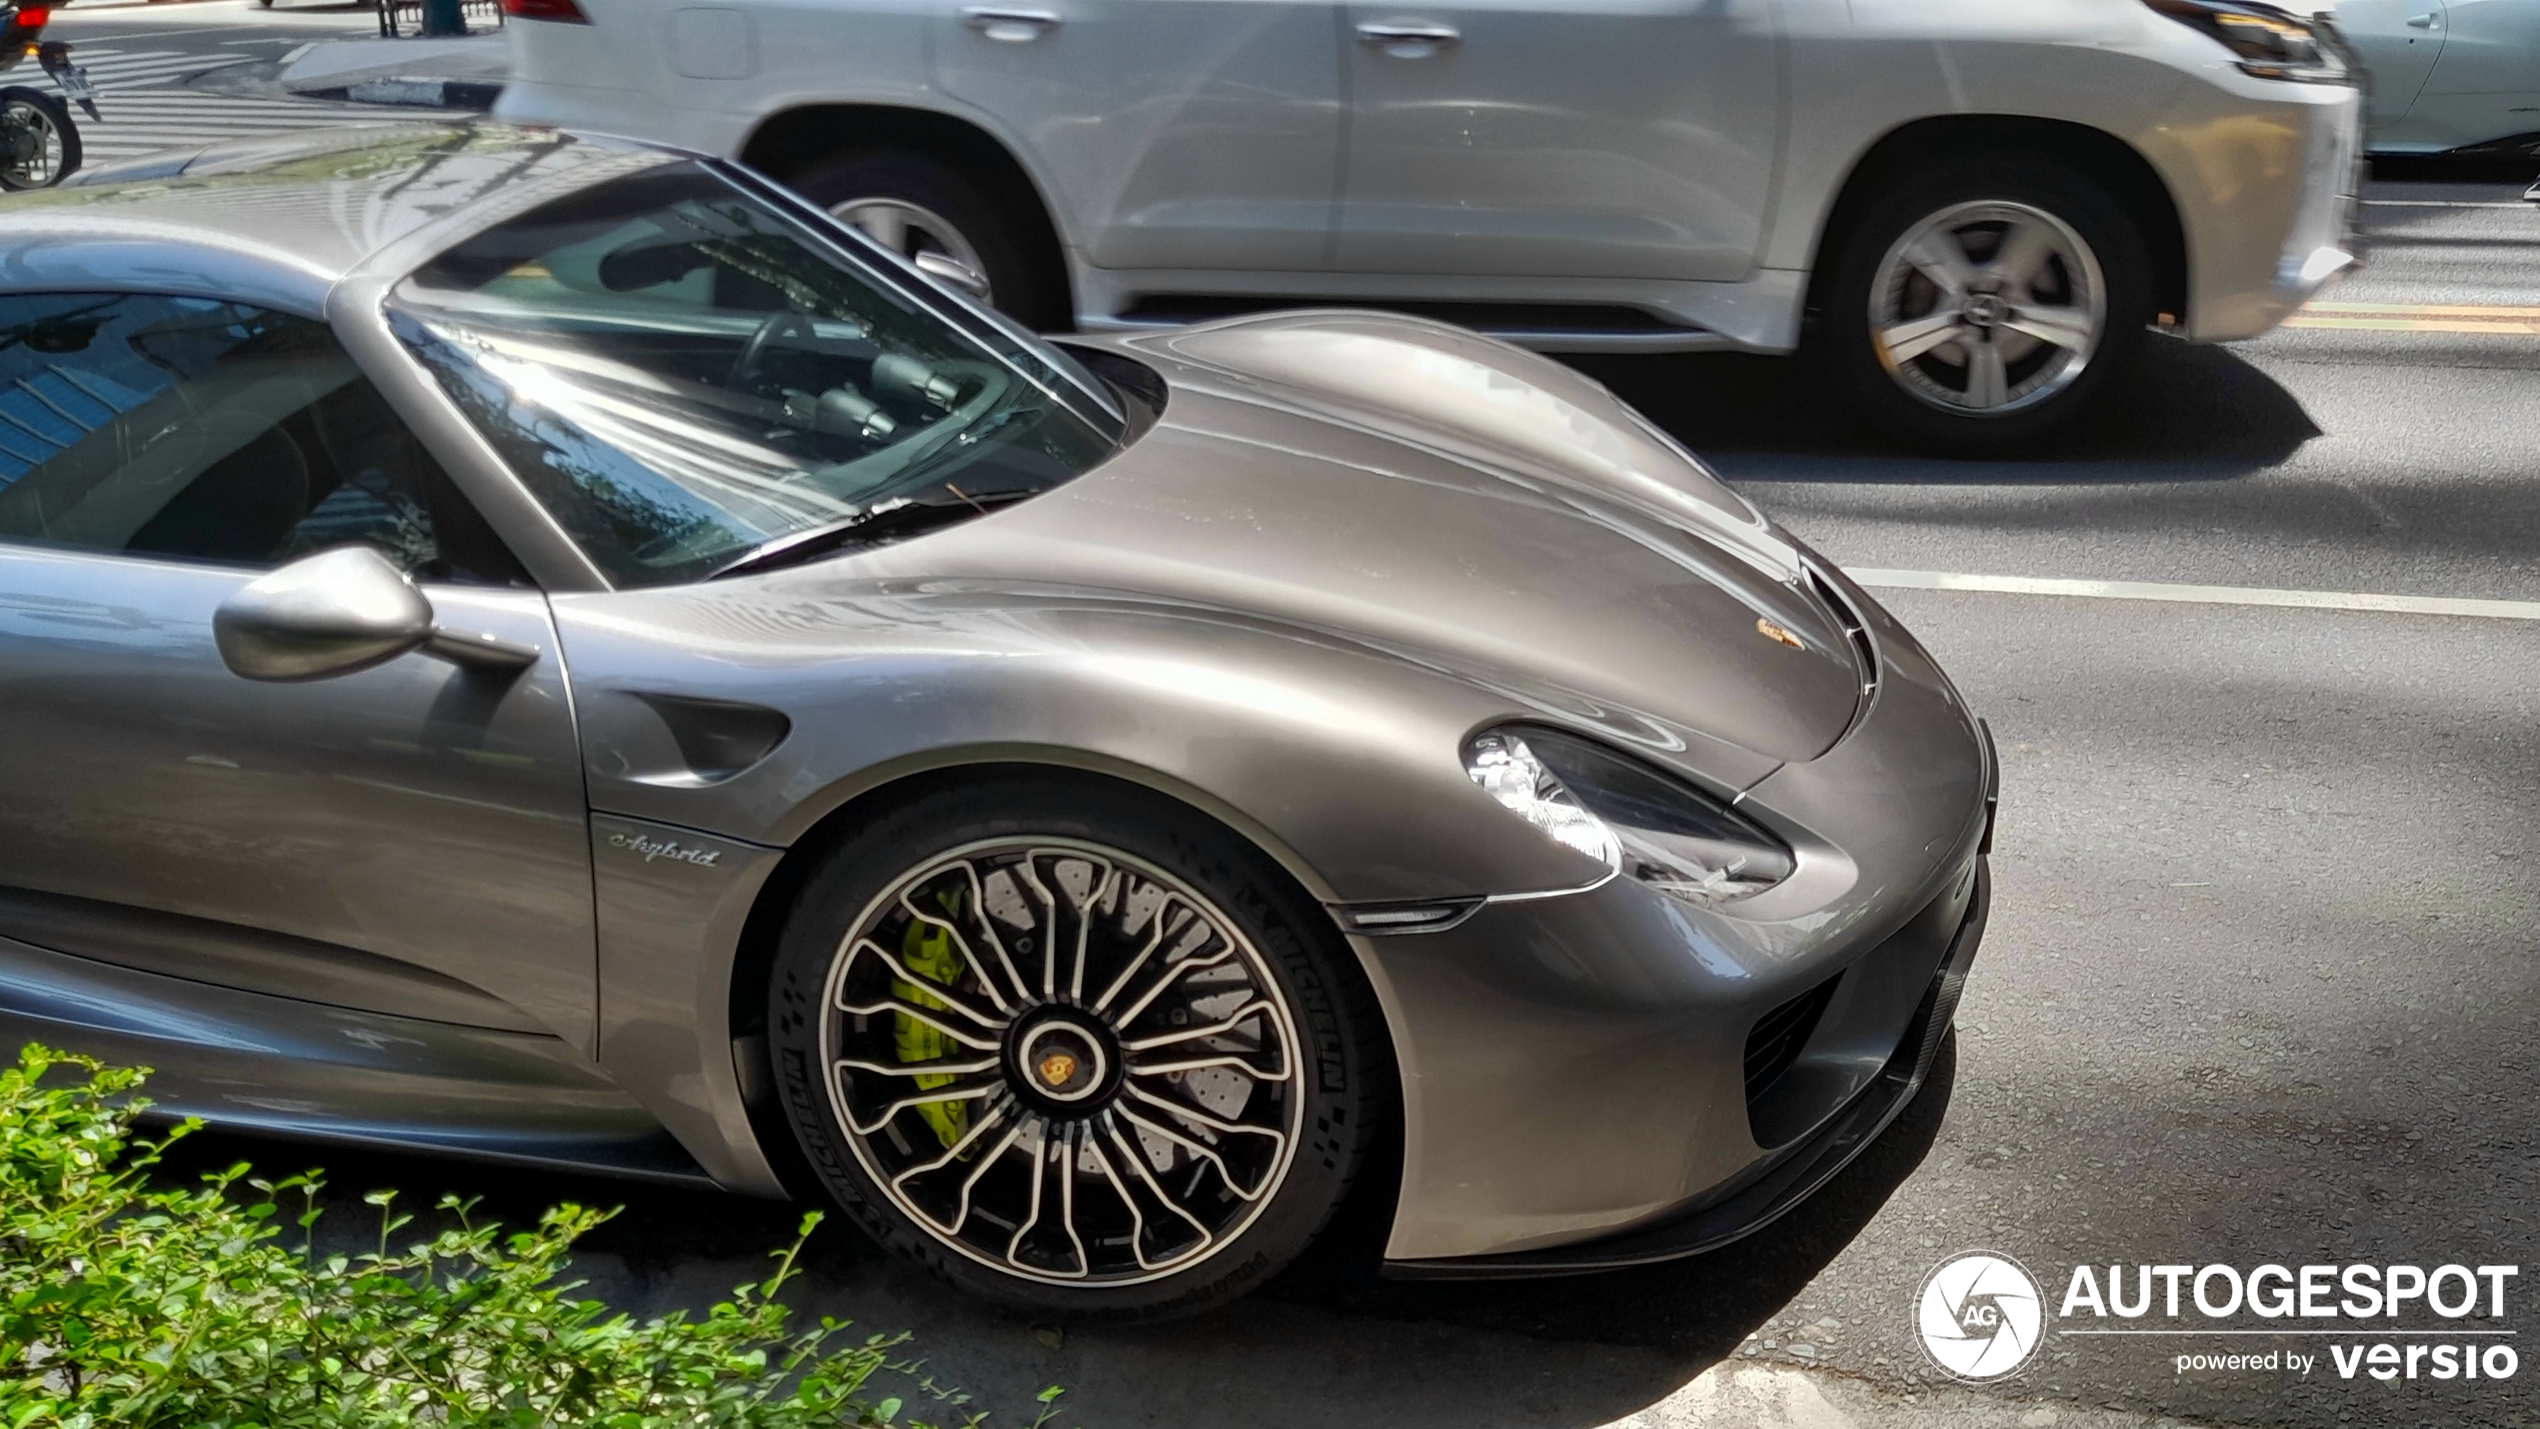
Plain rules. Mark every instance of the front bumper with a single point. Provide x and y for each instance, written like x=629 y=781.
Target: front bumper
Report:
x=2265 y=189
x=1781 y=1181
x=1580 y=1066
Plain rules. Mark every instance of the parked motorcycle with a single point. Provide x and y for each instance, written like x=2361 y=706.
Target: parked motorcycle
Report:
x=39 y=145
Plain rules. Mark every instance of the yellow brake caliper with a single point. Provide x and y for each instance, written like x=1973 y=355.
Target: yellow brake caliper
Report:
x=926 y=949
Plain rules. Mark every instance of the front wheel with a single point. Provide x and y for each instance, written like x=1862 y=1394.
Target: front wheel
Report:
x=39 y=146
x=959 y=231
x=1974 y=309
x=1078 y=1050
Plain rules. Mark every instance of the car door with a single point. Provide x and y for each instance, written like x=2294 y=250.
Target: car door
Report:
x=2397 y=40
x=2485 y=82
x=1571 y=138
x=408 y=839
x=1197 y=134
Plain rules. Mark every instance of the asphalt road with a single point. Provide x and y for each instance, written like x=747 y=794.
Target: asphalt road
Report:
x=211 y=27
x=171 y=74
x=2260 y=983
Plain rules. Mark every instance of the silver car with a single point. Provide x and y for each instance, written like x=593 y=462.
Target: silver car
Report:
x=2442 y=75
x=553 y=650
x=1972 y=209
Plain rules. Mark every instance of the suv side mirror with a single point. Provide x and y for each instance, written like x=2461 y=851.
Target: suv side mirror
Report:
x=338 y=612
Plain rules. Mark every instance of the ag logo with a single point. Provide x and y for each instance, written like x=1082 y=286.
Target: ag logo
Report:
x=1979 y=1315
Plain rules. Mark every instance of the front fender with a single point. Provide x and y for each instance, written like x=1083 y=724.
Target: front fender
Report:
x=1342 y=761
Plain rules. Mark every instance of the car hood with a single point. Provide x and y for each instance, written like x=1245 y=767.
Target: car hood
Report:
x=1433 y=492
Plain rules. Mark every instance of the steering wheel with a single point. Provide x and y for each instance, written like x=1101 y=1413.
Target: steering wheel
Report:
x=787 y=324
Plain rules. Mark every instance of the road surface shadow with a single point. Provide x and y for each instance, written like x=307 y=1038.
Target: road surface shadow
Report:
x=1337 y=1348
x=1699 y=1307
x=2193 y=413
x=2456 y=168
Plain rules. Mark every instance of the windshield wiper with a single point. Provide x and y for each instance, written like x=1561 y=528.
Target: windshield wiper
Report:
x=865 y=528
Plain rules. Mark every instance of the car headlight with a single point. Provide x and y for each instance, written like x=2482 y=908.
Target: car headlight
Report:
x=1633 y=819
x=2269 y=43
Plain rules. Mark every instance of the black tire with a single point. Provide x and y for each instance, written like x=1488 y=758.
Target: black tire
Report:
x=13 y=169
x=1340 y=1081
x=1026 y=278
x=1851 y=360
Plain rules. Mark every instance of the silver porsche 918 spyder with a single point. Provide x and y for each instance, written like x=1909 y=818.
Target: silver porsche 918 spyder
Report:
x=554 y=650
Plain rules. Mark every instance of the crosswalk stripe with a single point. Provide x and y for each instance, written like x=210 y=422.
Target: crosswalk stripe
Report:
x=105 y=72
x=134 y=116
x=147 y=107
x=109 y=68
x=214 y=104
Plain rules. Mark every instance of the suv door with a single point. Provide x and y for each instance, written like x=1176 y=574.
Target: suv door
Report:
x=1562 y=138
x=410 y=839
x=1197 y=134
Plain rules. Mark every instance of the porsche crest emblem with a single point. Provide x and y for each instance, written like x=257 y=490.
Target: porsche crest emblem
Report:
x=1057 y=1069
x=1775 y=633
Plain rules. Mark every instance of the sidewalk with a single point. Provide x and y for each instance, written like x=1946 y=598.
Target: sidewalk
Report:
x=1758 y=1396
x=443 y=72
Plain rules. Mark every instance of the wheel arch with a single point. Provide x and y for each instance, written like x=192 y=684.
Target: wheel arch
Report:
x=849 y=807
x=792 y=140
x=2128 y=175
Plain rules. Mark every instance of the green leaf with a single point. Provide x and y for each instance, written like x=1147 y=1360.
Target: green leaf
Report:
x=160 y=1308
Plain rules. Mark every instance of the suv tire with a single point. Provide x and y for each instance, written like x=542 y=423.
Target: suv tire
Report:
x=963 y=232
x=2053 y=298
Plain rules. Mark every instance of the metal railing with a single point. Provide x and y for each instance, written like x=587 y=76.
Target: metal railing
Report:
x=405 y=17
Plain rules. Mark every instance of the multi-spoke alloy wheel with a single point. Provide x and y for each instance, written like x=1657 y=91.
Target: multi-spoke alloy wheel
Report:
x=1974 y=304
x=1988 y=307
x=1061 y=1061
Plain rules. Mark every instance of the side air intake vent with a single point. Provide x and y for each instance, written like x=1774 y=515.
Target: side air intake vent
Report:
x=1780 y=1034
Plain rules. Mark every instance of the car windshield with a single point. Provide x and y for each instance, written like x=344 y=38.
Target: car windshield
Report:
x=690 y=377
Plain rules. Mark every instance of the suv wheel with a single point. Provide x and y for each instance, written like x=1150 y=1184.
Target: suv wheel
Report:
x=1077 y=1051
x=1977 y=308
x=954 y=229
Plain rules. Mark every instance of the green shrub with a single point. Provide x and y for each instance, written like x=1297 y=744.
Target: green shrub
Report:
x=127 y=1306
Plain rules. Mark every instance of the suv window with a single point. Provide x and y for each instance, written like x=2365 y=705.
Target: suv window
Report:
x=211 y=431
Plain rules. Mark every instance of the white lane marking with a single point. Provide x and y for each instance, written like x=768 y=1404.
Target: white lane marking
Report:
x=2198 y=594
x=2440 y=203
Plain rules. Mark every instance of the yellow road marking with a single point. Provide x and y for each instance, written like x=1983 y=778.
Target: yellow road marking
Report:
x=2437 y=310
x=2493 y=319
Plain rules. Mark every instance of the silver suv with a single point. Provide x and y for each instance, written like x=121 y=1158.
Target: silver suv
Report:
x=1971 y=210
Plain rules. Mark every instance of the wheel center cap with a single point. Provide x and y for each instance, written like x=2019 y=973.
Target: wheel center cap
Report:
x=1985 y=309
x=1062 y=1060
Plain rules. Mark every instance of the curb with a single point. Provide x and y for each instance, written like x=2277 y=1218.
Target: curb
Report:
x=474 y=95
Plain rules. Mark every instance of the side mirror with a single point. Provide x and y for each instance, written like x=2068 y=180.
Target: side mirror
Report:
x=337 y=612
